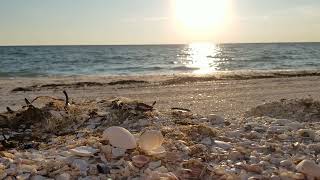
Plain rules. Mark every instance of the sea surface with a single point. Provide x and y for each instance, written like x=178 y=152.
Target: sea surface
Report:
x=198 y=58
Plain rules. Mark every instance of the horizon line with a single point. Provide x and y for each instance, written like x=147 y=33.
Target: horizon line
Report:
x=156 y=44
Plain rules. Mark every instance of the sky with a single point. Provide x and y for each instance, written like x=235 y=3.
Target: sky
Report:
x=72 y=22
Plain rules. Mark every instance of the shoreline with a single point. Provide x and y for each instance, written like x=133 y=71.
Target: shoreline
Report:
x=218 y=75
x=201 y=94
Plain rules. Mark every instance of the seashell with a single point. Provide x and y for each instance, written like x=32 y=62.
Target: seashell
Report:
x=23 y=176
x=80 y=164
x=27 y=168
x=140 y=160
x=314 y=147
x=306 y=133
x=256 y=168
x=155 y=164
x=206 y=141
x=162 y=169
x=63 y=176
x=3 y=174
x=151 y=141
x=85 y=151
x=291 y=175
x=158 y=175
x=235 y=155
x=38 y=177
x=309 y=168
x=120 y=137
x=223 y=145
x=215 y=119
x=286 y=163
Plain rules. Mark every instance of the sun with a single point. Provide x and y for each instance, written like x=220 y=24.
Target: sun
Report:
x=201 y=15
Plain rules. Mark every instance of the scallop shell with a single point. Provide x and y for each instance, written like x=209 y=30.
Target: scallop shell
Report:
x=120 y=137
x=151 y=141
x=140 y=160
x=83 y=151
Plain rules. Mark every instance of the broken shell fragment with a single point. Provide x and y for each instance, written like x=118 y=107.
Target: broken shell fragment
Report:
x=309 y=168
x=120 y=137
x=140 y=160
x=151 y=141
x=83 y=151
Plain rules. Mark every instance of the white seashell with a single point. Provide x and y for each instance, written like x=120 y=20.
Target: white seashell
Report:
x=309 y=168
x=206 y=141
x=223 y=145
x=120 y=137
x=151 y=141
x=85 y=151
x=215 y=119
x=80 y=164
x=286 y=163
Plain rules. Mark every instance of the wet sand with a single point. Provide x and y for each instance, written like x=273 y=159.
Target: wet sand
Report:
x=230 y=98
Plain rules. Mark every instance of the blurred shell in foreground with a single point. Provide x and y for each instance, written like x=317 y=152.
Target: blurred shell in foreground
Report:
x=120 y=137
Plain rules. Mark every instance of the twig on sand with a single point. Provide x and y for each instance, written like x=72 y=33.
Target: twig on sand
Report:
x=49 y=97
x=154 y=103
x=10 y=110
x=27 y=101
x=67 y=100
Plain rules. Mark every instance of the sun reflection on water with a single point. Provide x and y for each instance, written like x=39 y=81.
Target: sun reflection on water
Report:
x=200 y=57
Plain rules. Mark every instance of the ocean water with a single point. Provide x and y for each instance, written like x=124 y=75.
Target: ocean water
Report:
x=201 y=58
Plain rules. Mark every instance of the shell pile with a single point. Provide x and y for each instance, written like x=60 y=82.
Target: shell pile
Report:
x=272 y=141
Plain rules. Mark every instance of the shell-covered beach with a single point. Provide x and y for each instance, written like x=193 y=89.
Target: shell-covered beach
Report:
x=117 y=128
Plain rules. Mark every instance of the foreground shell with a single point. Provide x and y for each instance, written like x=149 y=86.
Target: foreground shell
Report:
x=120 y=137
x=140 y=160
x=151 y=141
x=309 y=168
x=84 y=151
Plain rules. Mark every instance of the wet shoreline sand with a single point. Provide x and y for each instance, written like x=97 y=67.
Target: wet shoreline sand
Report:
x=201 y=94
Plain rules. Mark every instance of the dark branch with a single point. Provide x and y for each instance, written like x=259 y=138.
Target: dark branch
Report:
x=154 y=103
x=67 y=98
x=10 y=110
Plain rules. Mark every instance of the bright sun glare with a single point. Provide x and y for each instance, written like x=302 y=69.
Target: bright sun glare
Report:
x=201 y=15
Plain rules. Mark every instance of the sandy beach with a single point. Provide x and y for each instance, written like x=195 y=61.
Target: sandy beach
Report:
x=160 y=128
x=203 y=95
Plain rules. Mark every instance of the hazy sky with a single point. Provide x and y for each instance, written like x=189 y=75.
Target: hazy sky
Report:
x=152 y=21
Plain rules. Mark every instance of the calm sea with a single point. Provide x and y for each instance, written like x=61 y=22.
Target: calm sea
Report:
x=28 y=61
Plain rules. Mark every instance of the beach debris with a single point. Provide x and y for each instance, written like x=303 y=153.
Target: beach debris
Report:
x=125 y=82
x=24 y=89
x=301 y=110
x=120 y=137
x=153 y=146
